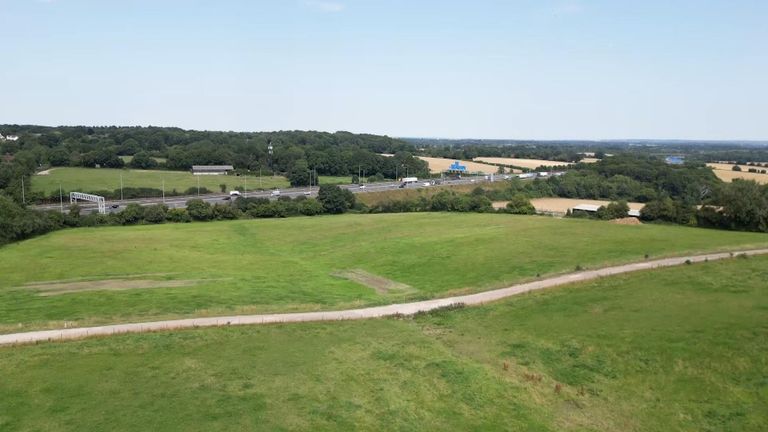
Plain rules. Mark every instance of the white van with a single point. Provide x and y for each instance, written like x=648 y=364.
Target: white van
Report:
x=275 y=193
x=234 y=193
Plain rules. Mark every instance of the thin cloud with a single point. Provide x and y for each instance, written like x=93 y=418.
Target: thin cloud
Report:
x=567 y=8
x=325 y=6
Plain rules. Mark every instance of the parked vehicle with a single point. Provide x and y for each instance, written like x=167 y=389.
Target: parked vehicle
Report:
x=275 y=193
x=234 y=193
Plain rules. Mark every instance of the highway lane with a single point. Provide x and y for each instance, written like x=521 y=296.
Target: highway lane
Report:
x=219 y=198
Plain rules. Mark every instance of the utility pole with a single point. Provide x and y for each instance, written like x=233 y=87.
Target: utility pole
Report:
x=245 y=191
x=260 y=185
x=198 y=185
x=121 y=187
x=61 y=199
x=163 y=191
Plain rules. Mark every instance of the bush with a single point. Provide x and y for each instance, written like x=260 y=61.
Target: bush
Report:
x=310 y=207
x=520 y=204
x=199 y=210
x=155 y=213
x=178 y=215
x=132 y=214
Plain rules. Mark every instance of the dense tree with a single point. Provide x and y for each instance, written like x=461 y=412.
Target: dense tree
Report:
x=299 y=173
x=142 y=160
x=334 y=199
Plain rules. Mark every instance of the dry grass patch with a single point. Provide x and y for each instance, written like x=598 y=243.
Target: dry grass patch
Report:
x=380 y=284
x=46 y=289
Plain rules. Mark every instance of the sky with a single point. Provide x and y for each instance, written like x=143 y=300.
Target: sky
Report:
x=517 y=69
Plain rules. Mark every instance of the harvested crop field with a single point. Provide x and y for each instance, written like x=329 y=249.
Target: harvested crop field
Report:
x=726 y=173
x=438 y=165
x=561 y=205
x=523 y=163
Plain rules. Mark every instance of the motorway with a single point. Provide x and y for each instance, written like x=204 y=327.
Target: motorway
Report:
x=219 y=198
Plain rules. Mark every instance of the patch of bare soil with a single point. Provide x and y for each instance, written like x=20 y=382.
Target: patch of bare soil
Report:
x=626 y=221
x=378 y=283
x=56 y=288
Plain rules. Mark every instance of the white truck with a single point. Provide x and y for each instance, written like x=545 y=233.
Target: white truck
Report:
x=407 y=180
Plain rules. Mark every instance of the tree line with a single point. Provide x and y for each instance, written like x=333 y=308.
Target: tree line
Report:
x=293 y=153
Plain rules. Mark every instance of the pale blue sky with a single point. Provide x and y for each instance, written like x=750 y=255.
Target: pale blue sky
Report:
x=486 y=69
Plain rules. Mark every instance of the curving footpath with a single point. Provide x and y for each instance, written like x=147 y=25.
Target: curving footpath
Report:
x=363 y=313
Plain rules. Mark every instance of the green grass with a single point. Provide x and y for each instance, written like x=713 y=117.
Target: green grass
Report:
x=252 y=266
x=679 y=349
x=100 y=179
x=128 y=159
x=337 y=180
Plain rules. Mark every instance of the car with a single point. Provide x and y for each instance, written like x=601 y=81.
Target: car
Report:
x=361 y=186
x=275 y=193
x=115 y=206
x=227 y=198
x=427 y=184
x=307 y=192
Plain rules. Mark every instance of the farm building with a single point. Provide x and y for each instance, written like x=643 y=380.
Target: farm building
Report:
x=211 y=169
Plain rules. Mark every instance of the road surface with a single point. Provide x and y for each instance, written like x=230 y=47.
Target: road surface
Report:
x=363 y=313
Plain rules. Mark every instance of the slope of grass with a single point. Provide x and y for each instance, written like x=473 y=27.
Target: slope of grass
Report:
x=100 y=179
x=290 y=264
x=679 y=349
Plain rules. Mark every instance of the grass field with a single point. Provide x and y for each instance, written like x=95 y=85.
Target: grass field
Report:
x=680 y=349
x=99 y=179
x=118 y=274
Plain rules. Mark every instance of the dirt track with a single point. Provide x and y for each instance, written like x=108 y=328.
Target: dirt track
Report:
x=364 y=313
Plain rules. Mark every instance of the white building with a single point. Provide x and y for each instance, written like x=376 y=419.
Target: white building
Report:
x=9 y=137
x=211 y=169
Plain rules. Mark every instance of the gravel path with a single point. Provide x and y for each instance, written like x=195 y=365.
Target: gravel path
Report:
x=363 y=313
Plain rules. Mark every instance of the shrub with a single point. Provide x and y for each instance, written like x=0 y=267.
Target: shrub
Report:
x=156 y=213
x=178 y=215
x=199 y=210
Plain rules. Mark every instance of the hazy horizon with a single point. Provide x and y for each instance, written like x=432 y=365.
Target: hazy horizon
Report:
x=516 y=70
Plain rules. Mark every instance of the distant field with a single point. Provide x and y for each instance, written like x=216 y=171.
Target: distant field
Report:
x=98 y=179
x=378 y=197
x=525 y=163
x=726 y=173
x=128 y=159
x=680 y=349
x=339 y=180
x=118 y=274
x=562 y=205
x=438 y=165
